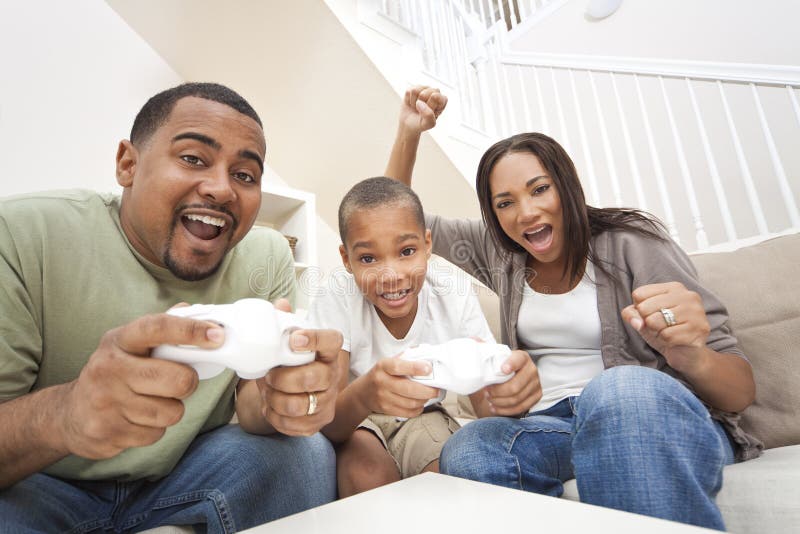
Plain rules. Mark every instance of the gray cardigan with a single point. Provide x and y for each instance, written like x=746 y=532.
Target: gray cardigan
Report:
x=634 y=259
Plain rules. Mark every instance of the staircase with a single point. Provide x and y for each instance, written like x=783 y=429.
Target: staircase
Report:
x=709 y=147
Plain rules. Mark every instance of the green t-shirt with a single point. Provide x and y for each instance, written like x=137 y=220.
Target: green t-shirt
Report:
x=68 y=274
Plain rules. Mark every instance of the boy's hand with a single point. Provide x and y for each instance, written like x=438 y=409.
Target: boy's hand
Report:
x=521 y=392
x=420 y=108
x=390 y=392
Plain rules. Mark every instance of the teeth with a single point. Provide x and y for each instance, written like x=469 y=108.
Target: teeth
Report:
x=536 y=231
x=216 y=221
x=395 y=296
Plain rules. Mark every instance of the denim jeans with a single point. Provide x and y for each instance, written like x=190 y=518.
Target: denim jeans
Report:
x=635 y=440
x=227 y=480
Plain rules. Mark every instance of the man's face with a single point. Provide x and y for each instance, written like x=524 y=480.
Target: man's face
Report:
x=193 y=189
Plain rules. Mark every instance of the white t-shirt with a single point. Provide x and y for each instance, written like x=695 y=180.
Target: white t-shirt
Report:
x=562 y=333
x=448 y=308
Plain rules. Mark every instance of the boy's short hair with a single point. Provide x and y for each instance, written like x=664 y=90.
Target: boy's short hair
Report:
x=378 y=192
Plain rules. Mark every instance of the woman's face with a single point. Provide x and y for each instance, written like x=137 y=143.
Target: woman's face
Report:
x=527 y=205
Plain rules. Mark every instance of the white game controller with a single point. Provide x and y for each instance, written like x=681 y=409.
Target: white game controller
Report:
x=461 y=365
x=256 y=339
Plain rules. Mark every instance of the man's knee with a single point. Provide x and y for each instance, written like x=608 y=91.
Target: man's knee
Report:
x=292 y=461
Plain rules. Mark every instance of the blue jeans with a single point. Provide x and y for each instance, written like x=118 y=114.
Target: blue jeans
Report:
x=635 y=440
x=227 y=480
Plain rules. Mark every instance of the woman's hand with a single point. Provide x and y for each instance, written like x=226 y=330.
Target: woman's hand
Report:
x=673 y=321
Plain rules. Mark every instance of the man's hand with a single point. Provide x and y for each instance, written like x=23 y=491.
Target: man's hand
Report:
x=388 y=390
x=125 y=399
x=420 y=108
x=287 y=392
x=517 y=395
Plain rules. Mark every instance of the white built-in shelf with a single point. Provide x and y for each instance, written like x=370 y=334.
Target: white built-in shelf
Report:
x=292 y=212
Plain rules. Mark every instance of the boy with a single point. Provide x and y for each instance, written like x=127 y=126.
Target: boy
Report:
x=396 y=305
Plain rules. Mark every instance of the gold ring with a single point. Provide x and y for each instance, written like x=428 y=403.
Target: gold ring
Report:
x=669 y=317
x=312 y=404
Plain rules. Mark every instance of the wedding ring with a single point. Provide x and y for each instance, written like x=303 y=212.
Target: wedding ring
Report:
x=669 y=317
x=312 y=404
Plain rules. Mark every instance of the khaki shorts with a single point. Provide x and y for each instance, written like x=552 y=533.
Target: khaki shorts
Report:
x=415 y=442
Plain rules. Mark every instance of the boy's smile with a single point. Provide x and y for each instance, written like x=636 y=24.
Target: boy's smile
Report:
x=387 y=251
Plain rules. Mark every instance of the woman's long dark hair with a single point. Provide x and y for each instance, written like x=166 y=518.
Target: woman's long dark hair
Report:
x=581 y=222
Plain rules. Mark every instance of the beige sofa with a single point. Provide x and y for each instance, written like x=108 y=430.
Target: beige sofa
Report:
x=760 y=285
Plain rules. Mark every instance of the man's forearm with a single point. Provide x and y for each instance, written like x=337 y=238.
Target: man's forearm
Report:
x=31 y=440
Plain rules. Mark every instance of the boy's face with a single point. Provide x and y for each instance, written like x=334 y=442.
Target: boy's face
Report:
x=387 y=251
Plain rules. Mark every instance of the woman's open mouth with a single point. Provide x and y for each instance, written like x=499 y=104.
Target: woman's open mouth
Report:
x=539 y=238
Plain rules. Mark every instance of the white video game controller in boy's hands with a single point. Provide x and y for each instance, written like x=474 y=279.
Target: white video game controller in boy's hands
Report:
x=256 y=339
x=461 y=365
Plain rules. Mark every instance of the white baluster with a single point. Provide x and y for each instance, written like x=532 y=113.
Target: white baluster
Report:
x=793 y=98
x=429 y=54
x=545 y=128
x=783 y=182
x=483 y=13
x=561 y=122
x=511 y=14
x=501 y=105
x=487 y=103
x=533 y=7
x=587 y=153
x=406 y=13
x=626 y=135
x=752 y=194
x=702 y=239
x=461 y=65
x=502 y=14
x=659 y=171
x=526 y=108
x=447 y=43
x=441 y=52
x=727 y=218
x=512 y=120
x=612 y=168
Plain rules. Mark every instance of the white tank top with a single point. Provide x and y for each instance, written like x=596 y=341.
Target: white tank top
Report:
x=562 y=333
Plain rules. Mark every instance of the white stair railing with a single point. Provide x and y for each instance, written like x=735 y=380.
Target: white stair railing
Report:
x=706 y=147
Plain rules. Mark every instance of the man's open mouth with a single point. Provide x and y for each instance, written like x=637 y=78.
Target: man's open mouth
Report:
x=204 y=227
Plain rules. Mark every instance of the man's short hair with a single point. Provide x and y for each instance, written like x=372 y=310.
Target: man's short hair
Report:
x=378 y=192
x=156 y=110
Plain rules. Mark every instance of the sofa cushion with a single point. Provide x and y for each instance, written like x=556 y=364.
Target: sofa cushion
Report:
x=760 y=286
x=762 y=495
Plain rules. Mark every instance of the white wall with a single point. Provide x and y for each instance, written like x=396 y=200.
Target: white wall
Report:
x=72 y=77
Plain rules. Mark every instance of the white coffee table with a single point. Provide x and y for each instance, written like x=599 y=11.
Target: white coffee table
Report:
x=441 y=504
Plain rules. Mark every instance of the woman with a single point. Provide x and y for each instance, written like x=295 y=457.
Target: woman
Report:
x=634 y=379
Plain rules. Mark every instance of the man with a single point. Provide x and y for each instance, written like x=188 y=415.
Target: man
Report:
x=98 y=435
